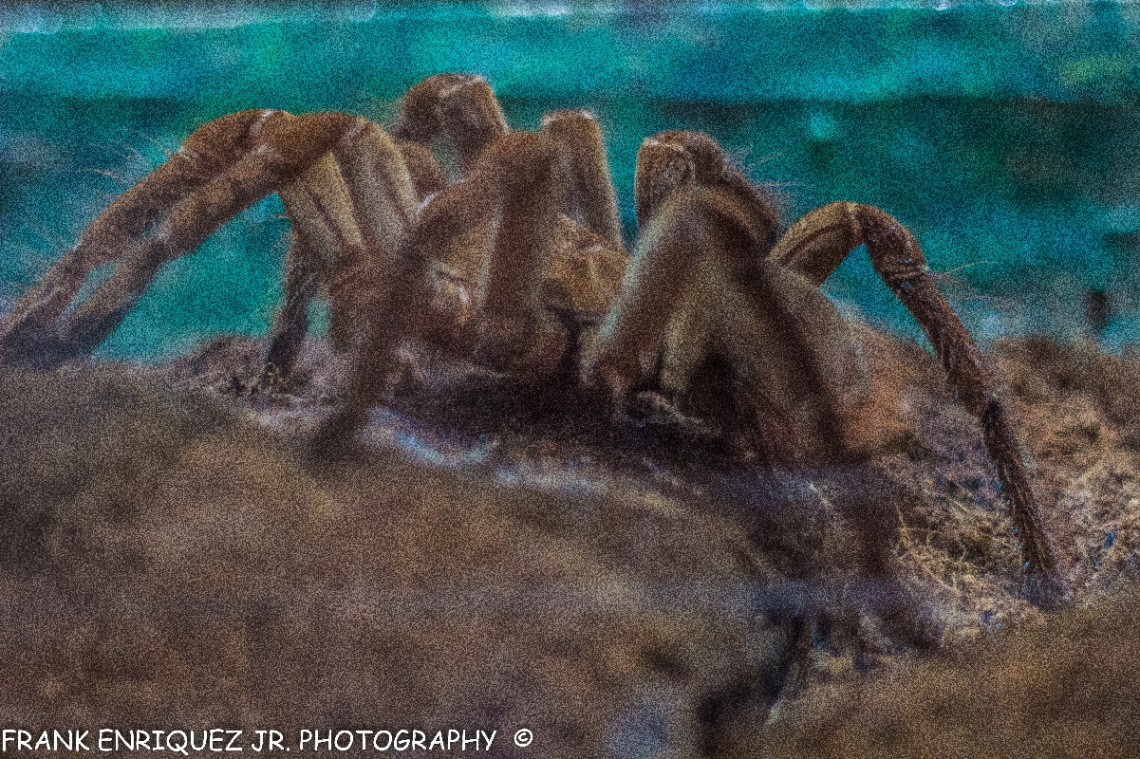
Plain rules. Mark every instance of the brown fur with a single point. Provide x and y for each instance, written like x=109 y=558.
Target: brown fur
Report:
x=117 y=231
x=461 y=106
x=427 y=176
x=800 y=380
x=215 y=176
x=498 y=253
x=690 y=201
x=590 y=198
x=348 y=190
x=515 y=332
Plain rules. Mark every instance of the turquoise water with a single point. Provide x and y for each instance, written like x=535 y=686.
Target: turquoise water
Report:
x=1006 y=136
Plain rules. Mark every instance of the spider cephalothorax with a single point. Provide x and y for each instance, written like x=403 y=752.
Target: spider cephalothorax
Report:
x=519 y=264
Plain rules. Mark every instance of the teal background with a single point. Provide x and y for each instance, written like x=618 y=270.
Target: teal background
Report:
x=1005 y=135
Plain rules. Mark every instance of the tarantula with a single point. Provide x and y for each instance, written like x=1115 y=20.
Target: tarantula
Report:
x=520 y=264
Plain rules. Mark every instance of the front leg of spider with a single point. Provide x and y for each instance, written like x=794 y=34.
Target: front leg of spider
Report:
x=251 y=155
x=350 y=212
x=510 y=202
x=30 y=334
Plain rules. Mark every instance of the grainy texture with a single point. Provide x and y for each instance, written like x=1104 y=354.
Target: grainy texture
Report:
x=167 y=564
x=615 y=585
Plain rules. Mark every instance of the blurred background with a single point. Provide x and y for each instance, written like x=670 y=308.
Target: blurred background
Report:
x=1006 y=134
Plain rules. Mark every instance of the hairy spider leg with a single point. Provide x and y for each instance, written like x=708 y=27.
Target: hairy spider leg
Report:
x=815 y=246
x=287 y=147
x=384 y=207
x=427 y=175
x=462 y=110
x=461 y=107
x=350 y=211
x=515 y=331
x=281 y=155
x=664 y=262
x=291 y=325
x=507 y=209
x=27 y=335
x=494 y=229
x=304 y=271
x=590 y=196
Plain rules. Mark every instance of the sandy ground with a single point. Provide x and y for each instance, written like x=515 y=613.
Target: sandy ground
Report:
x=171 y=557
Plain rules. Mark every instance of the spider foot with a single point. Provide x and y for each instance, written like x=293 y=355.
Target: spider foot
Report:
x=36 y=348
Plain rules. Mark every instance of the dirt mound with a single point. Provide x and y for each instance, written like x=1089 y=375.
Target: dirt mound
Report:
x=168 y=564
x=1067 y=688
x=622 y=587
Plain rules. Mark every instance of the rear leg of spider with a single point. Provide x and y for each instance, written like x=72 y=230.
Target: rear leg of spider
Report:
x=816 y=245
x=345 y=188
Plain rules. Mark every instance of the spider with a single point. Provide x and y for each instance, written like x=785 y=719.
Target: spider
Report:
x=519 y=266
